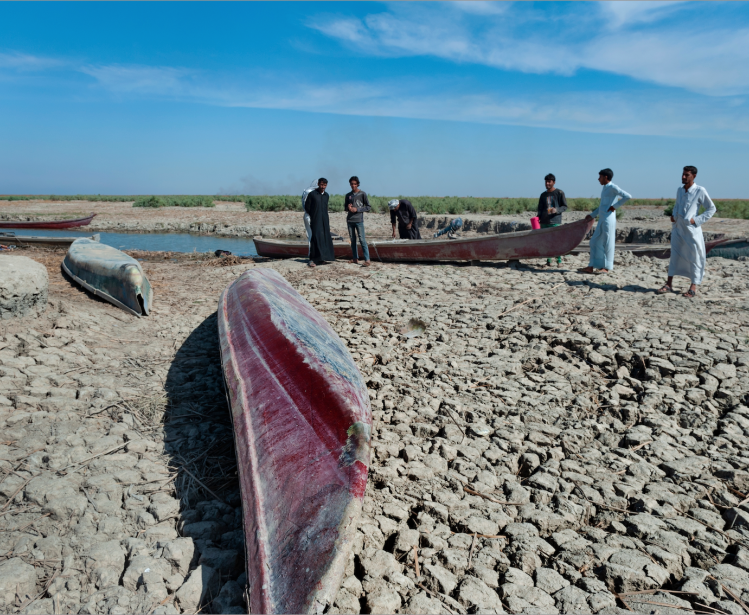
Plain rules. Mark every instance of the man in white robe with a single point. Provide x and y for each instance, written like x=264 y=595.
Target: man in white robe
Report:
x=604 y=238
x=307 y=227
x=687 y=242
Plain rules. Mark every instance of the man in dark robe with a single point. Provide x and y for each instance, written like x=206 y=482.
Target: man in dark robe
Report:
x=402 y=212
x=321 y=243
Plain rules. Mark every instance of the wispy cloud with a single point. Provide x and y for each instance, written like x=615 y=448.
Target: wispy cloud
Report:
x=710 y=60
x=638 y=11
x=140 y=79
x=589 y=111
x=24 y=62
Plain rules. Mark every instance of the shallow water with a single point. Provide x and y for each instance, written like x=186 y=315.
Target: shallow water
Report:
x=165 y=242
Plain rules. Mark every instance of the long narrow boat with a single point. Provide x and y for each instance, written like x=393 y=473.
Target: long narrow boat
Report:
x=302 y=424
x=48 y=224
x=10 y=239
x=664 y=250
x=110 y=274
x=544 y=243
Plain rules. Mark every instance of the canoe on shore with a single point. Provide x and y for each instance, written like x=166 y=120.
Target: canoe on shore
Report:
x=664 y=250
x=543 y=243
x=110 y=274
x=302 y=424
x=48 y=224
x=9 y=239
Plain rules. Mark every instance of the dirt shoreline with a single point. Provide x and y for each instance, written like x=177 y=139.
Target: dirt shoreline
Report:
x=637 y=224
x=552 y=443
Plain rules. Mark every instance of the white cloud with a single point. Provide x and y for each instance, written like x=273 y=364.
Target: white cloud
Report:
x=135 y=78
x=637 y=11
x=690 y=55
x=26 y=62
x=648 y=113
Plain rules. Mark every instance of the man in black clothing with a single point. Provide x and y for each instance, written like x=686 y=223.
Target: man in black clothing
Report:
x=404 y=213
x=356 y=203
x=321 y=244
x=551 y=205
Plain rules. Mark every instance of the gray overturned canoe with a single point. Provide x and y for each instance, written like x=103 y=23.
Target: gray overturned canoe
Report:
x=109 y=274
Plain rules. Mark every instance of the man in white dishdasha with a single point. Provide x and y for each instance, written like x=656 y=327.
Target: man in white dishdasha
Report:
x=687 y=242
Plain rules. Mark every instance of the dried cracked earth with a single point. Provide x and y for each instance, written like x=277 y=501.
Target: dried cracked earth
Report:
x=551 y=442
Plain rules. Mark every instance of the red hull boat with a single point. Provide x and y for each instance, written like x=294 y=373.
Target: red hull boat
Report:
x=49 y=224
x=544 y=243
x=302 y=424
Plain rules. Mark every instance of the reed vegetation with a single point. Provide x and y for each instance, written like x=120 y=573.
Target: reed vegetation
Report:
x=175 y=201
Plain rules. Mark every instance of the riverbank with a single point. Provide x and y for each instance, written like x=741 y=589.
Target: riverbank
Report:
x=637 y=224
x=552 y=443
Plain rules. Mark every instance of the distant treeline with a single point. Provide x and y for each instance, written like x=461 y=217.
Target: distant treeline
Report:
x=425 y=204
x=452 y=205
x=175 y=201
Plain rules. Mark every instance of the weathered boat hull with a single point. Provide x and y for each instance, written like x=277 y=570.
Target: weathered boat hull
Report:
x=544 y=243
x=49 y=224
x=302 y=424
x=41 y=242
x=109 y=274
x=663 y=251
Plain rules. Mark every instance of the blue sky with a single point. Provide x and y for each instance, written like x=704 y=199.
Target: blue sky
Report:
x=464 y=98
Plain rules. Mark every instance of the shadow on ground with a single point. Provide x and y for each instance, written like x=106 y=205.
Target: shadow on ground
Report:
x=199 y=441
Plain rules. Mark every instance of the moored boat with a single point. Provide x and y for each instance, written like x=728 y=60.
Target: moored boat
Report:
x=10 y=239
x=302 y=424
x=544 y=243
x=47 y=224
x=663 y=251
x=110 y=274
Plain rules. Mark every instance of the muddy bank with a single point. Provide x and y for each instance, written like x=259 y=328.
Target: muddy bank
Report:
x=637 y=224
x=552 y=443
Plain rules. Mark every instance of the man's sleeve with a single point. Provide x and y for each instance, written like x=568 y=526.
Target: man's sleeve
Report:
x=308 y=203
x=625 y=196
x=709 y=206
x=365 y=204
x=392 y=216
x=562 y=206
x=541 y=205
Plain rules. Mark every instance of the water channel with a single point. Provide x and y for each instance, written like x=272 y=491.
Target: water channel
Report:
x=164 y=242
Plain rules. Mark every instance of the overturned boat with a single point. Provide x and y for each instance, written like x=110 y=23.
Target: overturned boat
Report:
x=302 y=424
x=110 y=274
x=544 y=243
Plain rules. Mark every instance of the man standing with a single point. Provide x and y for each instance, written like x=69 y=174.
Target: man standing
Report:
x=404 y=213
x=356 y=203
x=321 y=244
x=551 y=205
x=305 y=194
x=604 y=238
x=687 y=242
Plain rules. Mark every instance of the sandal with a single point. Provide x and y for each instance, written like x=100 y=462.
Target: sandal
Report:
x=666 y=288
x=690 y=294
x=311 y=264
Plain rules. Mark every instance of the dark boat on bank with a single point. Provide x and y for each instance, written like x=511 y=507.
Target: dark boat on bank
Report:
x=47 y=224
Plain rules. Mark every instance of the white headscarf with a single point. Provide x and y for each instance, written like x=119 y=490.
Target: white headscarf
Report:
x=393 y=204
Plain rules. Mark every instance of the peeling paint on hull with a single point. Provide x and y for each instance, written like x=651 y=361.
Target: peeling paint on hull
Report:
x=110 y=274
x=543 y=243
x=302 y=425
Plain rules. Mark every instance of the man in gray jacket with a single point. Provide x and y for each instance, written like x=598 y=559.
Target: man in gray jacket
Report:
x=356 y=203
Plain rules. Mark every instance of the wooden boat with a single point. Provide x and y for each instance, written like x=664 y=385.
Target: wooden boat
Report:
x=302 y=424
x=47 y=224
x=9 y=239
x=110 y=274
x=664 y=250
x=543 y=243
